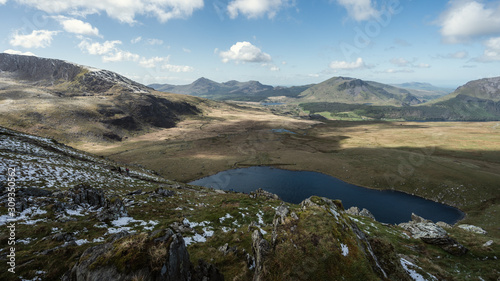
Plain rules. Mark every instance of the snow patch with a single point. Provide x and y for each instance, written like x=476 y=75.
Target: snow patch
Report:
x=345 y=249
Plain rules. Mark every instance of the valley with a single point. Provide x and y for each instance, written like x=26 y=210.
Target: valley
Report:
x=169 y=140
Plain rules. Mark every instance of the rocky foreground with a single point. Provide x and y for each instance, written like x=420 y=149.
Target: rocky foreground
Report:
x=82 y=217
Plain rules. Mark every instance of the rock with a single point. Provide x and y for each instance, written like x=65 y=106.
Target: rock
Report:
x=160 y=255
x=262 y=193
x=418 y=219
x=472 y=228
x=165 y=192
x=226 y=249
x=431 y=233
x=280 y=215
x=181 y=228
x=84 y=194
x=207 y=272
x=113 y=210
x=366 y=213
x=354 y=211
x=294 y=216
x=64 y=236
x=260 y=249
x=443 y=224
x=136 y=192
x=36 y=192
x=487 y=244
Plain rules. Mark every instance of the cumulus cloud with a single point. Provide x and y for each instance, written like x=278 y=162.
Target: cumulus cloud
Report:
x=124 y=11
x=99 y=49
x=37 y=39
x=109 y=52
x=358 y=64
x=244 y=52
x=77 y=26
x=15 y=52
x=359 y=10
x=255 y=8
x=391 y=70
x=3 y=2
x=492 y=51
x=465 y=20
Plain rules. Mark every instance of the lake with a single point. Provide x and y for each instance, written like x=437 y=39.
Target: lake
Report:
x=294 y=186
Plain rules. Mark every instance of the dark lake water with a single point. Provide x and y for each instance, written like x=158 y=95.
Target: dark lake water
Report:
x=294 y=186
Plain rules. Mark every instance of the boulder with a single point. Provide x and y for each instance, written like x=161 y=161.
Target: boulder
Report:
x=354 y=211
x=113 y=209
x=431 y=233
x=262 y=193
x=472 y=228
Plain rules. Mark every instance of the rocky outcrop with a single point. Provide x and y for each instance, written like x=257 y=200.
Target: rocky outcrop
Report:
x=160 y=256
x=262 y=193
x=433 y=234
x=261 y=249
x=472 y=228
x=356 y=212
x=111 y=209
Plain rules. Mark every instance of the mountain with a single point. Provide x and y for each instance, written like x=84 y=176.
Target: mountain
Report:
x=424 y=91
x=76 y=103
x=477 y=100
x=356 y=91
x=484 y=89
x=231 y=90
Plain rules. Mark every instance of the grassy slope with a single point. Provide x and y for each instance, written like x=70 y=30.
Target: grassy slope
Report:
x=310 y=251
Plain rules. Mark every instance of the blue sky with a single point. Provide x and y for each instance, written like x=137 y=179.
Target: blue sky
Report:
x=277 y=42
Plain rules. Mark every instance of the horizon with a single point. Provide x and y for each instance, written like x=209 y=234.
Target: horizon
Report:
x=279 y=42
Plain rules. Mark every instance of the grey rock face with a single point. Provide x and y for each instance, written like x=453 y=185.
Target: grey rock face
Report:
x=356 y=212
x=262 y=193
x=472 y=228
x=111 y=209
x=433 y=234
x=260 y=248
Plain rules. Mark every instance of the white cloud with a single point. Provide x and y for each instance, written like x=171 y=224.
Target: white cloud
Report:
x=15 y=52
x=390 y=70
x=152 y=62
x=77 y=26
x=186 y=50
x=348 y=65
x=3 y=2
x=359 y=10
x=401 y=62
x=37 y=39
x=155 y=42
x=124 y=11
x=136 y=40
x=492 y=51
x=456 y=55
x=244 y=52
x=465 y=20
x=121 y=55
x=177 y=68
x=255 y=8
x=422 y=65
x=98 y=48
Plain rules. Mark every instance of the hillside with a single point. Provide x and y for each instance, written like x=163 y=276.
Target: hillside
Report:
x=95 y=222
x=424 y=91
x=231 y=90
x=356 y=91
x=78 y=103
x=477 y=100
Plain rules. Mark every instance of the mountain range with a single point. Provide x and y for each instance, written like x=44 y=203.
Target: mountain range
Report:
x=231 y=90
x=74 y=102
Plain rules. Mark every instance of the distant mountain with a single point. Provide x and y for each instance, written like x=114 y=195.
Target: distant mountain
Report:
x=231 y=90
x=487 y=89
x=65 y=76
x=74 y=103
x=477 y=100
x=355 y=91
x=424 y=91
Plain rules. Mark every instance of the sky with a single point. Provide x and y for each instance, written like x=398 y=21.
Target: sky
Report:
x=276 y=42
